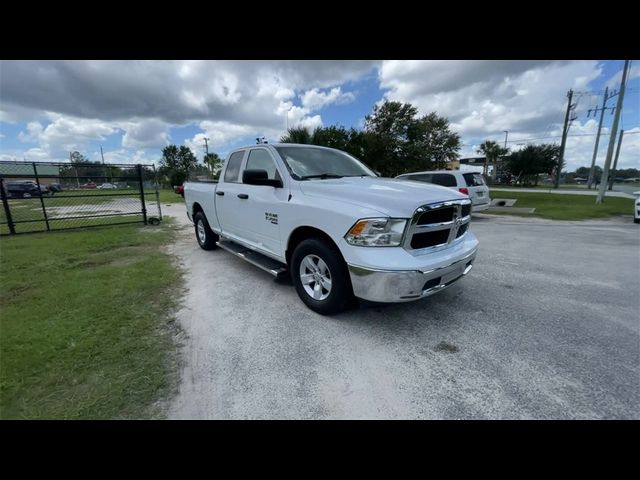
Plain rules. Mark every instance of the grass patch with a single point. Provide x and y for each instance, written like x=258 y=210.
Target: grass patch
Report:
x=84 y=325
x=169 y=196
x=567 y=207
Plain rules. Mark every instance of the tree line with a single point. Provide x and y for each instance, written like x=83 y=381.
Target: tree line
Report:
x=394 y=140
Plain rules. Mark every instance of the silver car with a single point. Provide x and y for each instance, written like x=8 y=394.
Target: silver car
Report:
x=469 y=183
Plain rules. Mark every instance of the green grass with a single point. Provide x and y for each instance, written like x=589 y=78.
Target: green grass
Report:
x=85 y=328
x=567 y=207
x=544 y=186
x=169 y=196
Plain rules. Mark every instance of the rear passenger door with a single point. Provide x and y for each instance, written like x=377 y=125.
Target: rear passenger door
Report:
x=228 y=205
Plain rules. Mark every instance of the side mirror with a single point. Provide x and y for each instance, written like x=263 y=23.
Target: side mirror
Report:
x=259 y=177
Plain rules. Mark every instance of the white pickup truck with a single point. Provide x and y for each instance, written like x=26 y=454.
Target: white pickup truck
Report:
x=338 y=229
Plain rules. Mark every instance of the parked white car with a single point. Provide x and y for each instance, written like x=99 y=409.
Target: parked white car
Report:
x=636 y=208
x=334 y=225
x=469 y=183
x=107 y=186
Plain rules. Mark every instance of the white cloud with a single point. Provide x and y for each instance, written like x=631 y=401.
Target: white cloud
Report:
x=149 y=133
x=315 y=99
x=33 y=133
x=484 y=98
x=126 y=156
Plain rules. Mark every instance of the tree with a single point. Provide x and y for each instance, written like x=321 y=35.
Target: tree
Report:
x=213 y=163
x=296 y=135
x=399 y=141
x=492 y=151
x=527 y=163
x=395 y=139
x=77 y=157
x=177 y=163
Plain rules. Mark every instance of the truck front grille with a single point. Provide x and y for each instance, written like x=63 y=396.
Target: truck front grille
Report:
x=429 y=239
x=438 y=224
x=439 y=215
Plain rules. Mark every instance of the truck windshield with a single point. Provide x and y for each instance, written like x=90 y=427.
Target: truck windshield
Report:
x=320 y=163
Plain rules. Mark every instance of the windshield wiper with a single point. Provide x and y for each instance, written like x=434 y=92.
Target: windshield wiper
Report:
x=321 y=175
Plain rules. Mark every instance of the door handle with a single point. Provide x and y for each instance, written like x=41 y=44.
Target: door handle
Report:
x=219 y=193
x=244 y=196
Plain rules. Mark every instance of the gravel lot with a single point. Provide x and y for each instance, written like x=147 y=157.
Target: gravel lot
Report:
x=545 y=326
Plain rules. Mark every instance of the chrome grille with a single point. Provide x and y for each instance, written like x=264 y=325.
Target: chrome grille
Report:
x=438 y=224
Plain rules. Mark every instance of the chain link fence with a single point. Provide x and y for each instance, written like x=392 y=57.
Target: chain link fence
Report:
x=43 y=196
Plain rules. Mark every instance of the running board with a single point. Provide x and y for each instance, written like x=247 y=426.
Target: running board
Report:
x=263 y=262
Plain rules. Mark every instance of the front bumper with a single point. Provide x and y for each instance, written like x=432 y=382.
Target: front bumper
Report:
x=407 y=285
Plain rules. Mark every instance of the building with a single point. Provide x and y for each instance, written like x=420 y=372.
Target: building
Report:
x=20 y=171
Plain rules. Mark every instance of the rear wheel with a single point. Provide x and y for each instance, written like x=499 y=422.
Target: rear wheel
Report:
x=321 y=277
x=206 y=237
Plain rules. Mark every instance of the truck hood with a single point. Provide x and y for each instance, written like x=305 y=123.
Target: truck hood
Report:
x=393 y=198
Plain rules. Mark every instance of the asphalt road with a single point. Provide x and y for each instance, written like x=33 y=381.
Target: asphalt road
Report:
x=546 y=326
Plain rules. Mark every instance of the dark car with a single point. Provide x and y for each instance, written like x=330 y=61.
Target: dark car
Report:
x=89 y=185
x=23 y=189
x=55 y=187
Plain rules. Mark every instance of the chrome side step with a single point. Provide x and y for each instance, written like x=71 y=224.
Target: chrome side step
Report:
x=267 y=264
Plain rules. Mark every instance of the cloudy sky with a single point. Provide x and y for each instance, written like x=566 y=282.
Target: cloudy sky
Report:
x=134 y=108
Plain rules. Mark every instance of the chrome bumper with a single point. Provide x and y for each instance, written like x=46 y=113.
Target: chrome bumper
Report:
x=406 y=285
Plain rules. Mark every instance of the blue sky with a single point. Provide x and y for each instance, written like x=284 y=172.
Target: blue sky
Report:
x=134 y=108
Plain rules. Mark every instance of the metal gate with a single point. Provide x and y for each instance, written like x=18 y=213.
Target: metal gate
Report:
x=44 y=196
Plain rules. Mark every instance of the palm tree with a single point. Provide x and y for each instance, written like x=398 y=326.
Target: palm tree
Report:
x=213 y=162
x=296 y=135
x=492 y=151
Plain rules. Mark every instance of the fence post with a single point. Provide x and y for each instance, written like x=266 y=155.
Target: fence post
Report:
x=44 y=210
x=155 y=181
x=144 y=205
x=7 y=210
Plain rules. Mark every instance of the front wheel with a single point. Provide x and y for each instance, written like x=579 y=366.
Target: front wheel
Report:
x=321 y=277
x=205 y=236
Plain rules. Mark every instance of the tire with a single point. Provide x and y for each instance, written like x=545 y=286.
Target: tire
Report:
x=204 y=235
x=636 y=220
x=329 y=268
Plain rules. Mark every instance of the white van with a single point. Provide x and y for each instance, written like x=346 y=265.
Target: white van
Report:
x=469 y=183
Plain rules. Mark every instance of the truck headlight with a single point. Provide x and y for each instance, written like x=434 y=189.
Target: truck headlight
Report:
x=377 y=232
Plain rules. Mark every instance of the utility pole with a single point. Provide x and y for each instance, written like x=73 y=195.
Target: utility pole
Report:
x=612 y=139
x=565 y=130
x=592 y=171
x=506 y=135
x=206 y=154
x=615 y=161
x=76 y=170
x=110 y=174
